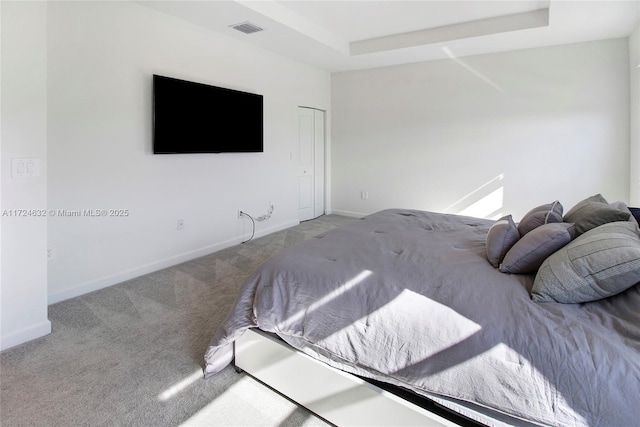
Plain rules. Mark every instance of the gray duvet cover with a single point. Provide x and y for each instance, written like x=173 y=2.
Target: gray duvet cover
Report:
x=408 y=297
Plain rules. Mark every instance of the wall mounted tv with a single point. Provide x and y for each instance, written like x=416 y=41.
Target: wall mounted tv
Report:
x=191 y=117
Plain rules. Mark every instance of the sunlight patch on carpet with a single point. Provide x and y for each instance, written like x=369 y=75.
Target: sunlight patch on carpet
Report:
x=180 y=386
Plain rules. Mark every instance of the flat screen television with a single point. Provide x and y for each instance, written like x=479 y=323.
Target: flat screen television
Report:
x=190 y=117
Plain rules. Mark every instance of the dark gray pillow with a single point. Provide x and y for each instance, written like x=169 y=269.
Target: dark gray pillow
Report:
x=501 y=237
x=602 y=262
x=544 y=214
x=532 y=249
x=592 y=212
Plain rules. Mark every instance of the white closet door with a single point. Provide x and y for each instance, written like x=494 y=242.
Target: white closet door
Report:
x=311 y=165
x=305 y=164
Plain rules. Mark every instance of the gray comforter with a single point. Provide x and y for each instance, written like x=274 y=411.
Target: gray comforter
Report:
x=408 y=297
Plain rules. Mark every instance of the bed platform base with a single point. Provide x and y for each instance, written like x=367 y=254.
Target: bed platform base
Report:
x=340 y=398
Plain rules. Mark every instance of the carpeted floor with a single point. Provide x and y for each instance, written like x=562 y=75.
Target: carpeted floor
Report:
x=132 y=354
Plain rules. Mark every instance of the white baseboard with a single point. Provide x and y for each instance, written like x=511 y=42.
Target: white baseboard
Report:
x=107 y=281
x=349 y=214
x=28 y=334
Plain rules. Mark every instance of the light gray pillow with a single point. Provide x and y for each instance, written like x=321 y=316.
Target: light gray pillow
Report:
x=592 y=212
x=602 y=262
x=543 y=214
x=501 y=237
x=532 y=249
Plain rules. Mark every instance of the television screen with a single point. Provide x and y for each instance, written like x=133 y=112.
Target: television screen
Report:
x=191 y=117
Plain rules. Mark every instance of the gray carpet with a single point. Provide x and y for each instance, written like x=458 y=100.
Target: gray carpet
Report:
x=132 y=354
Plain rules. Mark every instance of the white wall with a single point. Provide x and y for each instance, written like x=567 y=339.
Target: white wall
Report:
x=634 y=74
x=484 y=135
x=23 y=282
x=101 y=57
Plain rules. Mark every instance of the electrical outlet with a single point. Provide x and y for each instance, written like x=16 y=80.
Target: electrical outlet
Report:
x=239 y=213
x=181 y=224
x=49 y=254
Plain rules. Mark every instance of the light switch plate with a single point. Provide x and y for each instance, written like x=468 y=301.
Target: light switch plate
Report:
x=25 y=167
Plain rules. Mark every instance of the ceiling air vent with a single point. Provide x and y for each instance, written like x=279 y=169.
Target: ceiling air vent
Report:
x=246 y=27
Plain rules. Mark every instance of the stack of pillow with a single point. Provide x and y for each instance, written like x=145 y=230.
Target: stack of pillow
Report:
x=591 y=253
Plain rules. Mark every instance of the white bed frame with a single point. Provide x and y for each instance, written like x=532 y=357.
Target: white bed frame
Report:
x=338 y=397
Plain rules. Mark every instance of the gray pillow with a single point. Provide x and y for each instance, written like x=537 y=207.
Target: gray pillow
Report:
x=544 y=214
x=622 y=206
x=501 y=237
x=532 y=249
x=602 y=262
x=592 y=212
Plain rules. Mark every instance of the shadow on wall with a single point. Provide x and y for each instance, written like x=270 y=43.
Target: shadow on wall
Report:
x=485 y=201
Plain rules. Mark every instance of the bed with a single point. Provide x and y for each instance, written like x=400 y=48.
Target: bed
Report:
x=411 y=299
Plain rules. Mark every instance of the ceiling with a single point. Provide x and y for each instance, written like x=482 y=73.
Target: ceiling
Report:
x=348 y=35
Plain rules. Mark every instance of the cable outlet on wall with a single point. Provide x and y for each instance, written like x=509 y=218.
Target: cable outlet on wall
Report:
x=239 y=213
x=181 y=224
x=50 y=254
